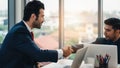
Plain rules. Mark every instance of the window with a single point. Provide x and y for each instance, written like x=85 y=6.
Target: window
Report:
x=47 y=36
x=80 y=21
x=111 y=9
x=3 y=19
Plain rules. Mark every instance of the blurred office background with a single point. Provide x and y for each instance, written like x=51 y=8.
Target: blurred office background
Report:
x=67 y=22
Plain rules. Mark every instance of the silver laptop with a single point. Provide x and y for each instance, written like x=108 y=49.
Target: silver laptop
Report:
x=90 y=50
x=97 y=49
x=79 y=58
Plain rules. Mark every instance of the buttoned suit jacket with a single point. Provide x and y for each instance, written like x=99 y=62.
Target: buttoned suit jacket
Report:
x=18 y=50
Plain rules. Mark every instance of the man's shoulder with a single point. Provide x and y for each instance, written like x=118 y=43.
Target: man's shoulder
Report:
x=118 y=41
x=99 y=41
x=19 y=26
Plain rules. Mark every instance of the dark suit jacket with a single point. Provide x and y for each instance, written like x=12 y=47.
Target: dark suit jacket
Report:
x=109 y=42
x=19 y=51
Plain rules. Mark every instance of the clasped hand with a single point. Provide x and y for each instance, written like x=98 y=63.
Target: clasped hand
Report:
x=67 y=50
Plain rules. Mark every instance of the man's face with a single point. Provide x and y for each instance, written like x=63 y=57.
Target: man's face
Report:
x=110 y=33
x=39 y=20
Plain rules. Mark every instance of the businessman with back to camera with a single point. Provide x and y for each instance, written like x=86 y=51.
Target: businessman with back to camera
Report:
x=18 y=49
x=112 y=34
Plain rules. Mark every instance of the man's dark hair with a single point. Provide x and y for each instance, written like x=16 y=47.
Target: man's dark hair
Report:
x=32 y=7
x=114 y=22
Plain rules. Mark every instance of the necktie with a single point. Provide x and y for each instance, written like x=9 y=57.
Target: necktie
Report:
x=32 y=35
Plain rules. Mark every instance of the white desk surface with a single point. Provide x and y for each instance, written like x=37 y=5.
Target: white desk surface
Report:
x=118 y=65
x=61 y=63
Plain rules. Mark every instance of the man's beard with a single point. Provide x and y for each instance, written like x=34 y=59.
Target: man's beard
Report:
x=36 y=24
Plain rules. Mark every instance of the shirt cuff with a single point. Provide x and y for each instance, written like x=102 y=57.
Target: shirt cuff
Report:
x=60 y=53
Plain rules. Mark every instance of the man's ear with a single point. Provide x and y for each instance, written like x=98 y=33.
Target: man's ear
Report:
x=33 y=16
x=118 y=31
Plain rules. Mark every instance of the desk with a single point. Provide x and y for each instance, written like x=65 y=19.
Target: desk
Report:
x=63 y=63
x=56 y=65
x=118 y=65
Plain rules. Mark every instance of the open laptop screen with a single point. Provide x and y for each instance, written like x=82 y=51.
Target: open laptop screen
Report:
x=91 y=50
x=100 y=49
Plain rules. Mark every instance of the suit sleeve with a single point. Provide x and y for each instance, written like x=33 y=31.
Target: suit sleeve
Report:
x=25 y=45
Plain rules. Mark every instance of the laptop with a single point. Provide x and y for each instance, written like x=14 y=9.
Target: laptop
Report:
x=77 y=61
x=99 y=49
x=67 y=63
x=90 y=50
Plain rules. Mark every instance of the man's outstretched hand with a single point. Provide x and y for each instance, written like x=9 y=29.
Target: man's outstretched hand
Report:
x=67 y=50
x=76 y=47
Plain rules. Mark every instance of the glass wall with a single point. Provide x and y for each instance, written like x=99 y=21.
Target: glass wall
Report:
x=47 y=36
x=81 y=21
x=111 y=9
x=3 y=19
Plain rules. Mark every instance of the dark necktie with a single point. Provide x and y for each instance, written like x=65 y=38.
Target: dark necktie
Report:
x=32 y=35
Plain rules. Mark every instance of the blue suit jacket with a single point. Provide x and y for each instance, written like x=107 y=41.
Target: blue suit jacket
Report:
x=19 y=51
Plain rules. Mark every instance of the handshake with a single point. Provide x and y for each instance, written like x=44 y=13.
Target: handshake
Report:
x=67 y=50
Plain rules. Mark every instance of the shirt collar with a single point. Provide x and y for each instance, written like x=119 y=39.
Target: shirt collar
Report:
x=29 y=29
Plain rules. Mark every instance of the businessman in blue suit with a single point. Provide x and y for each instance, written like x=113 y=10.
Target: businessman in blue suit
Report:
x=19 y=50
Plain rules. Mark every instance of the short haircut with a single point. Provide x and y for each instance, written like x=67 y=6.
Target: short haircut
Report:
x=114 y=22
x=32 y=7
